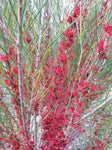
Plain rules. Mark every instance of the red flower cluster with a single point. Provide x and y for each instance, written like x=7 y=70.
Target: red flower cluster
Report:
x=75 y=15
x=102 y=50
x=4 y=58
x=108 y=28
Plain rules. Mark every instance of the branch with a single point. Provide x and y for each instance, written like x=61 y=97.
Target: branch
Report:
x=9 y=113
x=2 y=30
x=35 y=114
x=20 y=66
x=98 y=107
x=3 y=27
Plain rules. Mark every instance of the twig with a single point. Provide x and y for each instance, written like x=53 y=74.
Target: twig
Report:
x=2 y=30
x=5 y=29
x=20 y=68
x=35 y=114
x=98 y=107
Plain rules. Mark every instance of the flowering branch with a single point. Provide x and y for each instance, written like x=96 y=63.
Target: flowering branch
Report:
x=20 y=68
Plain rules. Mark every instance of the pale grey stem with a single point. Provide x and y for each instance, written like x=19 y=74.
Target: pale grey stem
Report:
x=20 y=66
x=80 y=39
x=97 y=108
x=71 y=118
x=35 y=130
x=2 y=30
x=44 y=13
x=39 y=48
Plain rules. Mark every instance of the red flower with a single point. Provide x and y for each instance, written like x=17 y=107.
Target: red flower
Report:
x=103 y=56
x=94 y=88
x=69 y=20
x=69 y=33
x=108 y=28
x=28 y=38
x=58 y=70
x=8 y=82
x=95 y=68
x=8 y=73
x=63 y=58
x=15 y=69
x=69 y=42
x=11 y=50
x=105 y=3
x=101 y=45
x=13 y=101
x=11 y=14
x=102 y=50
x=4 y=58
x=63 y=45
x=76 y=12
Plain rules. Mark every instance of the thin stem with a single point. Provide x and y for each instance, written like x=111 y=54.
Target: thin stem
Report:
x=98 y=107
x=80 y=39
x=35 y=130
x=5 y=29
x=20 y=68
x=2 y=30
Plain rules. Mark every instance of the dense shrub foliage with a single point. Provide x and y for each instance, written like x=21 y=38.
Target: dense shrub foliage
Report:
x=55 y=75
